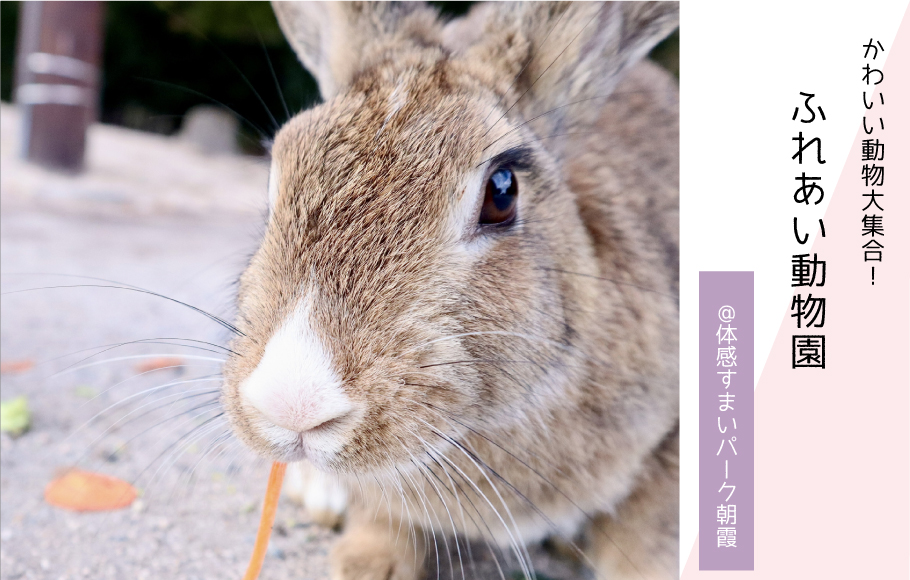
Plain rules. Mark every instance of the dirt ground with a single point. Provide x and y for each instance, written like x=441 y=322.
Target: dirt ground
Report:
x=154 y=213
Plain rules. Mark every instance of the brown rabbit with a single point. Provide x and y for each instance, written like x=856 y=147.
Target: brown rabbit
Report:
x=463 y=313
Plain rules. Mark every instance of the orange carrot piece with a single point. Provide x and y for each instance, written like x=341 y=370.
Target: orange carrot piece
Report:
x=84 y=491
x=16 y=366
x=162 y=362
x=269 y=508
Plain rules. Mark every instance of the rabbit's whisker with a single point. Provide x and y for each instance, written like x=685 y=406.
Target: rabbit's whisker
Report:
x=574 y=38
x=185 y=22
x=136 y=376
x=450 y=418
x=412 y=533
x=254 y=126
x=514 y=539
x=539 y=139
x=422 y=468
x=527 y=388
x=379 y=503
x=208 y=315
x=180 y=397
x=472 y=454
x=124 y=444
x=451 y=491
x=496 y=361
x=71 y=369
x=202 y=406
x=533 y=506
x=78 y=276
x=216 y=443
x=146 y=392
x=457 y=486
x=142 y=341
x=613 y=281
x=418 y=465
x=486 y=332
x=589 y=517
x=502 y=97
x=156 y=340
x=232 y=453
x=495 y=550
x=428 y=529
x=237 y=449
x=170 y=448
x=268 y=60
x=389 y=502
x=360 y=487
x=115 y=345
x=559 y=108
x=574 y=350
x=178 y=453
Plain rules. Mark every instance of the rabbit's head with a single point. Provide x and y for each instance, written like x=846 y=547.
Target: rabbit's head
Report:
x=413 y=277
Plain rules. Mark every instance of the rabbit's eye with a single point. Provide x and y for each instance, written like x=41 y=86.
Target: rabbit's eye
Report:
x=500 y=199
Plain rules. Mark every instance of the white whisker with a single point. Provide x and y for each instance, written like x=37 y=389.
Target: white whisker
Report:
x=521 y=552
x=142 y=356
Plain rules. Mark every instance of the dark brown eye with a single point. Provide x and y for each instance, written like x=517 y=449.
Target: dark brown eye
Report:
x=500 y=199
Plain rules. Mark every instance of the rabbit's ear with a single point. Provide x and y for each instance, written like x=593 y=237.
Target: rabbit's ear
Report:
x=559 y=53
x=335 y=40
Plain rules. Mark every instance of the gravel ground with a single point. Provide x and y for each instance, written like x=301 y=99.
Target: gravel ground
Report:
x=154 y=213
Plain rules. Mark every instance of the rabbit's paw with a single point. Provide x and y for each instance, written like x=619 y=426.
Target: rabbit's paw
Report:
x=323 y=496
x=368 y=552
x=640 y=541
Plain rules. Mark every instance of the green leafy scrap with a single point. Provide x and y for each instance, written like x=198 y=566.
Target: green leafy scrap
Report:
x=15 y=417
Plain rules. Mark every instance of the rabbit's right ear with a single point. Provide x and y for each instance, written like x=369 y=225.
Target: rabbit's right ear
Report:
x=336 y=40
x=546 y=56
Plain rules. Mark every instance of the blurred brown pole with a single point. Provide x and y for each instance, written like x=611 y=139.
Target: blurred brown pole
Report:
x=57 y=79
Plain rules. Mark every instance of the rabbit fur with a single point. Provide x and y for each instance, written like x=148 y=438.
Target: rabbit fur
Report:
x=440 y=379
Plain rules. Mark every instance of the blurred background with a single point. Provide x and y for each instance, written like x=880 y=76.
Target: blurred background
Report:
x=161 y=59
x=132 y=193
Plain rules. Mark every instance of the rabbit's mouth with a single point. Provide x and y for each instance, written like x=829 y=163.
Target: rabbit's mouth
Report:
x=319 y=444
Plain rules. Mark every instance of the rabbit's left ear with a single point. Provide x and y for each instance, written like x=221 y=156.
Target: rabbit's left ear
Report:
x=336 y=40
x=559 y=52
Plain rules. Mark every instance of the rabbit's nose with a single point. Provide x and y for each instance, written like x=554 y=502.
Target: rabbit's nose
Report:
x=295 y=385
x=299 y=407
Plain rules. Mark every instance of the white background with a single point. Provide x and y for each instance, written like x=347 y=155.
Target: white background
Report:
x=743 y=65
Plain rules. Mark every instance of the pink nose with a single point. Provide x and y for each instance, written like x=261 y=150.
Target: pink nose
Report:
x=301 y=411
x=295 y=385
x=298 y=397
